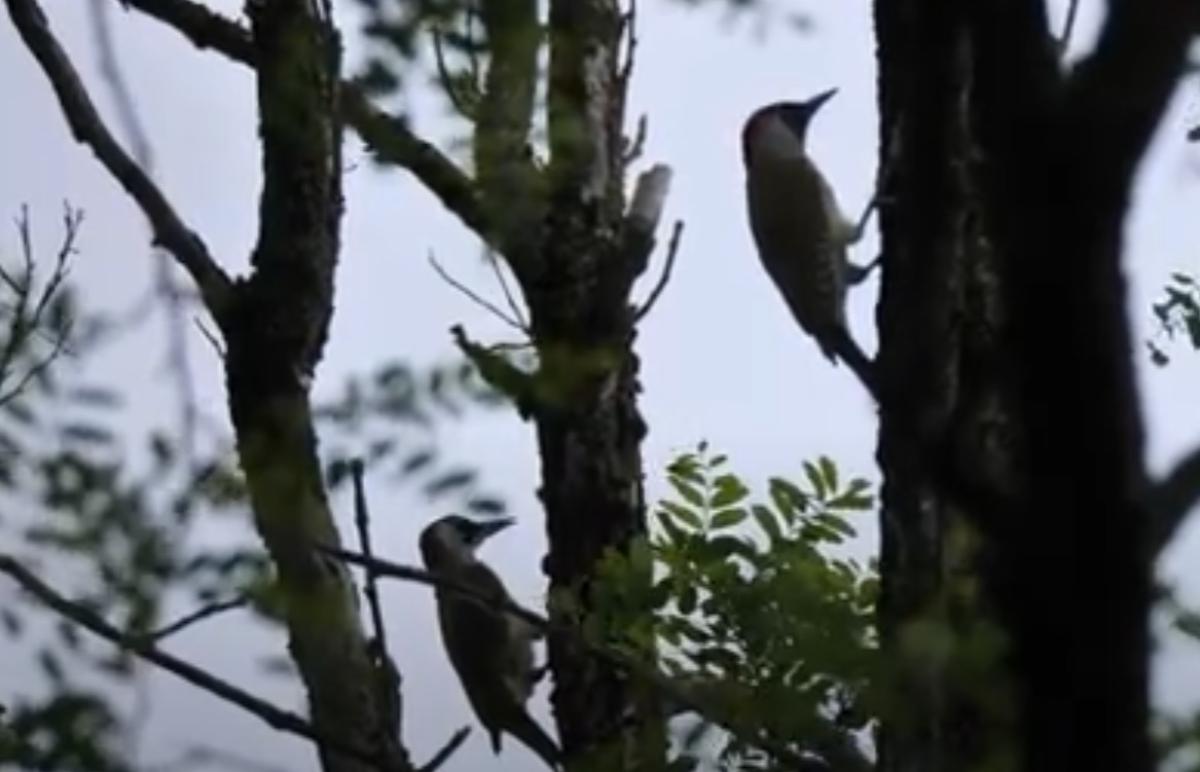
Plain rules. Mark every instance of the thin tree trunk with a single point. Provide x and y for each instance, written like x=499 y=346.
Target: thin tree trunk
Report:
x=275 y=332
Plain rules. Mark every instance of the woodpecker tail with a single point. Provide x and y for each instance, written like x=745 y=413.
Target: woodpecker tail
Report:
x=525 y=729
x=841 y=345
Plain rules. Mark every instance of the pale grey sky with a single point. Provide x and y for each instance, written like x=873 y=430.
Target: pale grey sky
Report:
x=721 y=358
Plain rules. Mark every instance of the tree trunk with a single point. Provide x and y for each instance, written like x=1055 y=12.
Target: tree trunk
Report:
x=1010 y=439
x=275 y=331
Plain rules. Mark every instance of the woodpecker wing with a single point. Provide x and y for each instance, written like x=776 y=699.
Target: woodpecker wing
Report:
x=492 y=653
x=800 y=234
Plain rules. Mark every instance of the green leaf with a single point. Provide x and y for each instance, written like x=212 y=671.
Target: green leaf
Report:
x=829 y=471
x=788 y=499
x=835 y=523
x=852 y=502
x=766 y=521
x=674 y=533
x=687 y=516
x=727 y=518
x=686 y=491
x=730 y=490
x=686 y=467
x=815 y=479
x=687 y=599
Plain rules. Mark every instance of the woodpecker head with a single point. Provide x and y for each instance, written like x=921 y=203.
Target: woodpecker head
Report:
x=778 y=130
x=455 y=538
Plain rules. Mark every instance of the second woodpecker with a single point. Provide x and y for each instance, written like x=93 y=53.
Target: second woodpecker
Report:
x=491 y=651
x=798 y=228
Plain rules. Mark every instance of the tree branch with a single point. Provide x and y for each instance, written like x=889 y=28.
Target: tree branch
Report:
x=508 y=179
x=388 y=137
x=199 y=615
x=456 y=740
x=274 y=717
x=1173 y=498
x=88 y=128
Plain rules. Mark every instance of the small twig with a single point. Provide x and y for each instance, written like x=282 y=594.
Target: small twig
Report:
x=629 y=24
x=447 y=78
x=88 y=128
x=273 y=716
x=472 y=295
x=637 y=145
x=362 y=521
x=200 y=614
x=452 y=745
x=211 y=337
x=508 y=295
x=672 y=249
x=1064 y=40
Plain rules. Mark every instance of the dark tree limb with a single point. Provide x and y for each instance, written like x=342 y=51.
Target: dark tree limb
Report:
x=276 y=718
x=1173 y=498
x=89 y=129
x=446 y=751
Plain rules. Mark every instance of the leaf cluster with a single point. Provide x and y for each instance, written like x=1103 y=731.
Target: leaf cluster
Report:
x=751 y=604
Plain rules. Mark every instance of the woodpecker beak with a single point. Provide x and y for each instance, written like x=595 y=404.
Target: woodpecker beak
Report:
x=815 y=103
x=492 y=527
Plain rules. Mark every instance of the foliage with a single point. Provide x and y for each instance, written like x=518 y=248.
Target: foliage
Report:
x=1177 y=315
x=754 y=609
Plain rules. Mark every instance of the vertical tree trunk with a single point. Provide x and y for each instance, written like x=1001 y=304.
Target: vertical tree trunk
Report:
x=1010 y=435
x=583 y=322
x=275 y=332
x=1071 y=575
x=949 y=441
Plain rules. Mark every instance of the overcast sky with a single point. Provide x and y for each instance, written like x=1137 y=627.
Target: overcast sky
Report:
x=721 y=357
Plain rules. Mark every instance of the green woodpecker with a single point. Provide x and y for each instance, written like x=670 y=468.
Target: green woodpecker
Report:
x=798 y=228
x=491 y=651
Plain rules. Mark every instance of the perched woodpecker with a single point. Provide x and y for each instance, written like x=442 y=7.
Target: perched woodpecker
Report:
x=492 y=652
x=798 y=228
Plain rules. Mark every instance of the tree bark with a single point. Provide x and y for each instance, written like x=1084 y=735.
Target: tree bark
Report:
x=1071 y=578
x=1010 y=439
x=275 y=333
x=949 y=441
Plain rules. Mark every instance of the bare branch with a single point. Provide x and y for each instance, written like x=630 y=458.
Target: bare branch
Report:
x=1173 y=498
x=199 y=615
x=88 y=128
x=485 y=304
x=1064 y=39
x=634 y=147
x=457 y=100
x=508 y=295
x=27 y=315
x=447 y=750
x=276 y=718
x=672 y=248
x=362 y=521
